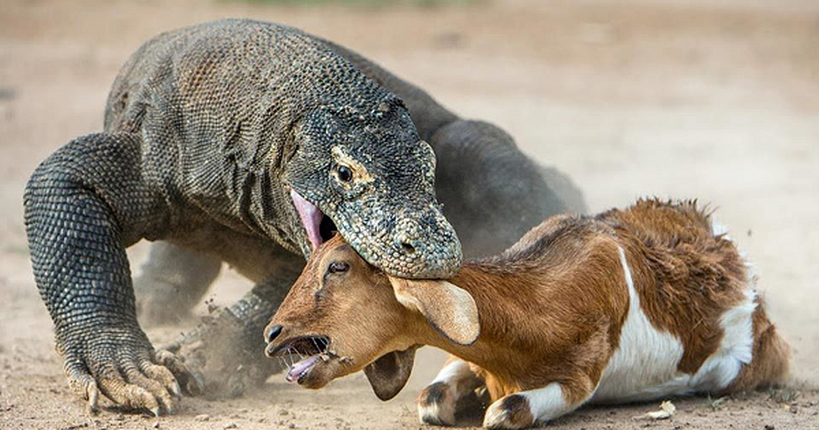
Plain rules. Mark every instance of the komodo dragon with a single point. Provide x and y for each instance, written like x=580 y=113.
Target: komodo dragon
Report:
x=248 y=142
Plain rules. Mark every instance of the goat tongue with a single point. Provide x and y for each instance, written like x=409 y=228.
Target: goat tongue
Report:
x=299 y=369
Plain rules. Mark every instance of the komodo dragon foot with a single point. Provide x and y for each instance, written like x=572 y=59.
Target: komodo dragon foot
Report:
x=131 y=374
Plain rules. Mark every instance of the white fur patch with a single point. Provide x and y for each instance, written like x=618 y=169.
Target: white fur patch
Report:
x=644 y=367
x=735 y=348
x=454 y=371
x=545 y=404
x=548 y=403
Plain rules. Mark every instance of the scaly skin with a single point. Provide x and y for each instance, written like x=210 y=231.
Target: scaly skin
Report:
x=491 y=192
x=216 y=135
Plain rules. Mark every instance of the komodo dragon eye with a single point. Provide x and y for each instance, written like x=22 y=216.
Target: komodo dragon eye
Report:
x=344 y=173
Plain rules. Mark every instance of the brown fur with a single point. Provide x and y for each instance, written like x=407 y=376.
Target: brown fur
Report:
x=686 y=277
x=552 y=306
x=771 y=354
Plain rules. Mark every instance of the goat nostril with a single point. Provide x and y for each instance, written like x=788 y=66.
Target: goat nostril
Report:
x=273 y=333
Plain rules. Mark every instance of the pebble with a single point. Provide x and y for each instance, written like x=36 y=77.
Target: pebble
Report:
x=202 y=417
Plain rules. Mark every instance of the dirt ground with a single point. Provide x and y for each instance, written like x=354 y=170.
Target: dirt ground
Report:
x=717 y=100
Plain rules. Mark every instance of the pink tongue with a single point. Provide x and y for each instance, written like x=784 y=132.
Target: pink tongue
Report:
x=300 y=368
x=310 y=217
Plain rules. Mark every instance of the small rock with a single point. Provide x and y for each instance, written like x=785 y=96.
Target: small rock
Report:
x=770 y=427
x=291 y=426
x=231 y=426
x=202 y=417
x=283 y=412
x=156 y=425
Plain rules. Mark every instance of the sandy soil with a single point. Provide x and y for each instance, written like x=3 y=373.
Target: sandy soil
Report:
x=702 y=99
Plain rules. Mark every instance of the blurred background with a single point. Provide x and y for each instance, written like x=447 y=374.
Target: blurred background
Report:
x=710 y=99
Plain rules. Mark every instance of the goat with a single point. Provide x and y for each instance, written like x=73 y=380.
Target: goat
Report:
x=628 y=305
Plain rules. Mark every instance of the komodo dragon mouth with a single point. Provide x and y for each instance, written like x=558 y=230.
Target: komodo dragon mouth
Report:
x=319 y=227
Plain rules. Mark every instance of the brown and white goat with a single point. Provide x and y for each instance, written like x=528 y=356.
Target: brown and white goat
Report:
x=628 y=305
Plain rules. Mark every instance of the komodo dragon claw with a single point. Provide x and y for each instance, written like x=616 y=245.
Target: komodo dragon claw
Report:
x=130 y=375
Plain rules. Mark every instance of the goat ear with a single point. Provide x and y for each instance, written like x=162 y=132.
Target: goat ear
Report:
x=390 y=372
x=447 y=307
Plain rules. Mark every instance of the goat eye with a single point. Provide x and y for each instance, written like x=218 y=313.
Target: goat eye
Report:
x=344 y=173
x=338 y=267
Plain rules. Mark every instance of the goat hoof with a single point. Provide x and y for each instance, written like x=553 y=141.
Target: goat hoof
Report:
x=510 y=412
x=436 y=405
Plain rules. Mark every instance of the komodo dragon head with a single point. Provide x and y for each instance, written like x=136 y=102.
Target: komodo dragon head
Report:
x=370 y=176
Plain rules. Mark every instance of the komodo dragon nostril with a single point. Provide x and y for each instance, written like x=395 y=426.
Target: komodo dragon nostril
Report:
x=408 y=248
x=273 y=333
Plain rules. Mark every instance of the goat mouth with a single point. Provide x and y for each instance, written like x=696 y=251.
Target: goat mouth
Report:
x=301 y=355
x=318 y=226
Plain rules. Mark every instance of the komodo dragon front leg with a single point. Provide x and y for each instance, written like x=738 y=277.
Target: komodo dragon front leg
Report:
x=84 y=205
